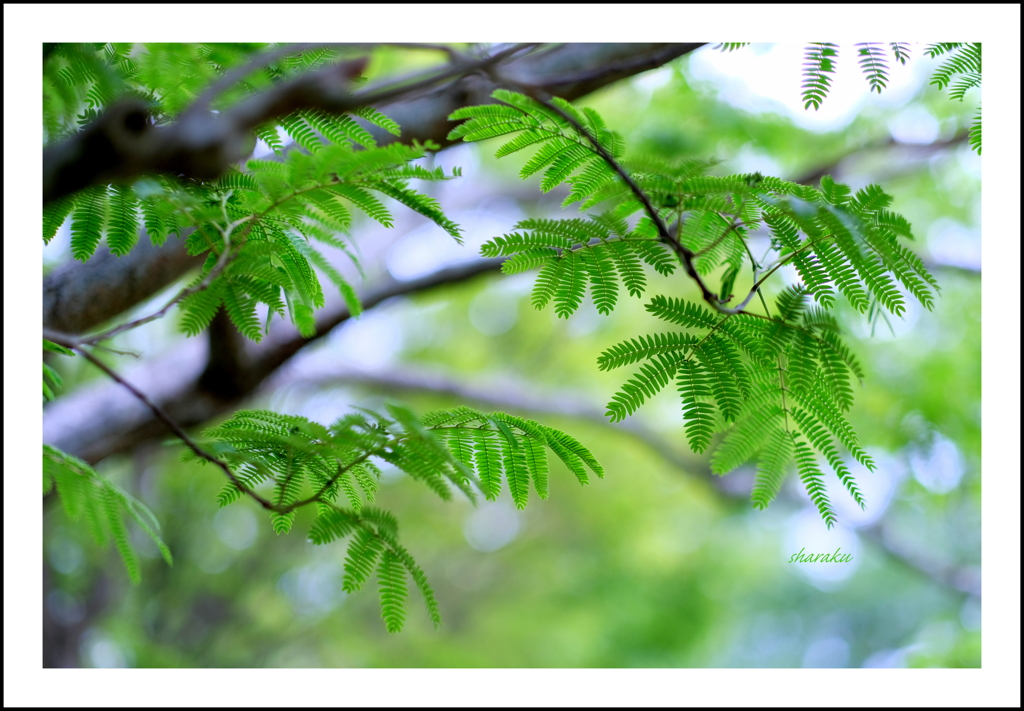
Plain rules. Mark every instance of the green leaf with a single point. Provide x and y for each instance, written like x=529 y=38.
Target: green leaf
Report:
x=363 y=551
x=487 y=457
x=572 y=284
x=648 y=381
x=819 y=66
x=694 y=388
x=54 y=215
x=86 y=495
x=771 y=467
x=393 y=591
x=873 y=64
x=87 y=222
x=54 y=348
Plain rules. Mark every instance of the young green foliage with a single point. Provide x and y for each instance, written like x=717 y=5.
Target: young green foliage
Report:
x=819 y=66
x=600 y=252
x=103 y=506
x=262 y=224
x=284 y=209
x=261 y=227
x=499 y=446
x=777 y=384
x=334 y=467
x=873 y=64
x=730 y=46
x=961 y=72
x=51 y=378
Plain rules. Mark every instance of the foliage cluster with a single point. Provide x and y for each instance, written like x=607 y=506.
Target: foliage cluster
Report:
x=777 y=382
x=960 y=72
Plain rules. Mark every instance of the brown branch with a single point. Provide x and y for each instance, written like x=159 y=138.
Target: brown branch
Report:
x=173 y=426
x=628 y=66
x=123 y=144
x=814 y=176
x=78 y=297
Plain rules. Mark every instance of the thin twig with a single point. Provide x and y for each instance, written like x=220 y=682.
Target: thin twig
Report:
x=400 y=87
x=330 y=482
x=162 y=416
x=731 y=228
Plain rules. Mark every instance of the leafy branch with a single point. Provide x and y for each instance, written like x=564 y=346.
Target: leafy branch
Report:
x=685 y=255
x=309 y=195
x=85 y=494
x=79 y=348
x=462 y=447
x=777 y=384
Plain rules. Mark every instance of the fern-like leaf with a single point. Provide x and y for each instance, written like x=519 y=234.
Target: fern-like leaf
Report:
x=900 y=51
x=966 y=59
x=771 y=468
x=54 y=215
x=87 y=222
x=332 y=525
x=644 y=348
x=873 y=64
x=361 y=559
x=393 y=591
x=517 y=475
x=645 y=384
x=813 y=481
x=819 y=65
x=376 y=118
x=697 y=412
x=487 y=457
x=86 y=495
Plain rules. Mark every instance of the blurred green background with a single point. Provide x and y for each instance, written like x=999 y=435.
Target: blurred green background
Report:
x=659 y=564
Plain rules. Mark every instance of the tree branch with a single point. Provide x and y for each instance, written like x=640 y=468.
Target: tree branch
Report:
x=78 y=297
x=963 y=580
x=94 y=422
x=113 y=427
x=123 y=144
x=812 y=177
